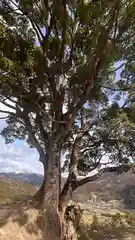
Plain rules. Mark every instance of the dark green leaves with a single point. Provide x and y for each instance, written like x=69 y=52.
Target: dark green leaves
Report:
x=57 y=65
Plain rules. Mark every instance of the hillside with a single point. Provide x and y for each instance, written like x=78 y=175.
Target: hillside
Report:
x=13 y=190
x=31 y=178
x=23 y=221
x=107 y=188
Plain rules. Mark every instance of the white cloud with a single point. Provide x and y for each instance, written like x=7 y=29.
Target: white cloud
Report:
x=18 y=157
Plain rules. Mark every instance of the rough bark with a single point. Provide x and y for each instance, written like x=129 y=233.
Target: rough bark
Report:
x=64 y=200
x=39 y=196
x=52 y=217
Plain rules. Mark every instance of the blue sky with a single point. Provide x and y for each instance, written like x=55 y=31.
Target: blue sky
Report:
x=18 y=157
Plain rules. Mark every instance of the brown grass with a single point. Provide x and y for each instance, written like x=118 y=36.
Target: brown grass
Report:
x=118 y=227
x=25 y=222
x=21 y=222
x=18 y=221
x=13 y=191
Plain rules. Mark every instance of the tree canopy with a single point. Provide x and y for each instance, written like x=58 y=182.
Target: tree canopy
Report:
x=59 y=62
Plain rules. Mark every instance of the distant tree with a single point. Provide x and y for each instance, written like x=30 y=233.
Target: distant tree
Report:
x=58 y=64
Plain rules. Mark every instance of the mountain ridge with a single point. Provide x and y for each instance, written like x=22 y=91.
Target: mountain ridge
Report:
x=31 y=178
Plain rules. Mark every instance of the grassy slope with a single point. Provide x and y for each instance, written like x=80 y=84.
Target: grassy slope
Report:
x=11 y=191
x=108 y=187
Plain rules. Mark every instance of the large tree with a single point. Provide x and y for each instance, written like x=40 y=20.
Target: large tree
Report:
x=58 y=61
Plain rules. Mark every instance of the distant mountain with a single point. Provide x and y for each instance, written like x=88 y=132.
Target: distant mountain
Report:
x=14 y=190
x=31 y=178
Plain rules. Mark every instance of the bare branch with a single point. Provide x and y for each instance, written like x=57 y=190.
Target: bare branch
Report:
x=119 y=89
x=131 y=100
x=29 y=129
x=32 y=136
x=95 y=144
x=3 y=118
x=116 y=69
x=11 y=100
x=33 y=23
x=117 y=169
x=7 y=112
x=72 y=176
x=75 y=149
x=8 y=105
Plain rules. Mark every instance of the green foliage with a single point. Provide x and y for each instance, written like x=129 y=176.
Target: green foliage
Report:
x=63 y=54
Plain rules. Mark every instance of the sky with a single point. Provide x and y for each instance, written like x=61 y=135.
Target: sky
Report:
x=17 y=157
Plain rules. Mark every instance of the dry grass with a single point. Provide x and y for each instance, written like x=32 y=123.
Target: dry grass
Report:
x=116 y=219
x=23 y=222
x=119 y=226
x=18 y=221
x=13 y=191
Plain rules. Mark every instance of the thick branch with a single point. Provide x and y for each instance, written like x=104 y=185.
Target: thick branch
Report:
x=75 y=157
x=29 y=129
x=117 y=169
x=43 y=133
x=94 y=145
x=75 y=150
x=73 y=165
x=32 y=136
x=96 y=65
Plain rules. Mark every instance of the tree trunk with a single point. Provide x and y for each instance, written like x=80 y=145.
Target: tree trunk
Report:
x=51 y=214
x=63 y=203
x=54 y=204
x=39 y=196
